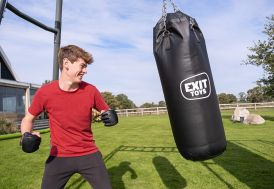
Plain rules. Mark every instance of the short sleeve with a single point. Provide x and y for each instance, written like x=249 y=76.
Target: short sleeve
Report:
x=37 y=105
x=99 y=102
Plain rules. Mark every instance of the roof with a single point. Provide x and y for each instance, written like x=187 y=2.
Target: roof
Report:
x=4 y=59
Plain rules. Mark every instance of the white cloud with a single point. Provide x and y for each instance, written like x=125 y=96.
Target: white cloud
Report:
x=119 y=35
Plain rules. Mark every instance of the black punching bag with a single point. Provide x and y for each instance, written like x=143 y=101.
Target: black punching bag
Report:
x=186 y=78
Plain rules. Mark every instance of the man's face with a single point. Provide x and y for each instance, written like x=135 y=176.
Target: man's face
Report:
x=76 y=70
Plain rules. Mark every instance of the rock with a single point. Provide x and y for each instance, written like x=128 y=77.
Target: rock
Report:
x=254 y=119
x=240 y=114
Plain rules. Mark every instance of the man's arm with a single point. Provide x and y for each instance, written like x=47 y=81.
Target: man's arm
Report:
x=30 y=140
x=27 y=124
x=108 y=116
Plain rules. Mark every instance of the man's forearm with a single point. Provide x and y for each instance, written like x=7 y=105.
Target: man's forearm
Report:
x=26 y=126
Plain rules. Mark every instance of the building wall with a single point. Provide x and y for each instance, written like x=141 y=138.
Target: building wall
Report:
x=15 y=98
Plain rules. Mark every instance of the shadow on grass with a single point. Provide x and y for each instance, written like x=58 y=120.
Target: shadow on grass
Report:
x=77 y=183
x=167 y=172
x=139 y=149
x=257 y=150
x=207 y=165
x=116 y=174
x=170 y=176
x=269 y=118
x=267 y=142
x=271 y=143
x=249 y=168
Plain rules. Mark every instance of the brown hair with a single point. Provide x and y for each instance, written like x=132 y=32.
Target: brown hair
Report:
x=72 y=53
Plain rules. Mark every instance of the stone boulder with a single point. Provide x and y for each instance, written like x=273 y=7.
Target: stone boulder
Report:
x=240 y=114
x=254 y=119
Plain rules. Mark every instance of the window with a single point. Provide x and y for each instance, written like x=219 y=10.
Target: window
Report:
x=12 y=100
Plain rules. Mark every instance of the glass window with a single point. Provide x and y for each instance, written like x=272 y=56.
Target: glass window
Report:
x=12 y=100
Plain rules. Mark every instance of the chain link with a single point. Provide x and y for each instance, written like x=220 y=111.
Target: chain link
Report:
x=164 y=14
x=174 y=6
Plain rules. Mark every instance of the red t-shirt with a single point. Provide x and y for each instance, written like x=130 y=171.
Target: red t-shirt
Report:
x=70 y=116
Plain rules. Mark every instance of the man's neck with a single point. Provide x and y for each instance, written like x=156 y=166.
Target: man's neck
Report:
x=66 y=85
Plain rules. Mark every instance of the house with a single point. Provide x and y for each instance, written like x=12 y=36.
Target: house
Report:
x=15 y=96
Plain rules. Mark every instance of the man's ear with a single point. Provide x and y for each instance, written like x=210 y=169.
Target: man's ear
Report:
x=66 y=63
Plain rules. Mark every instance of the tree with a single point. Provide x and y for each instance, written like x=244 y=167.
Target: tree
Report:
x=162 y=104
x=110 y=99
x=242 y=97
x=223 y=99
x=226 y=98
x=257 y=94
x=124 y=102
x=263 y=55
x=231 y=98
x=148 y=105
x=46 y=82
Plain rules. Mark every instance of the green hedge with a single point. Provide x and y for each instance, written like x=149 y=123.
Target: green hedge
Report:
x=18 y=135
x=7 y=126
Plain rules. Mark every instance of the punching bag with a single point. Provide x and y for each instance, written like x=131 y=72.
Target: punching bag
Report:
x=183 y=65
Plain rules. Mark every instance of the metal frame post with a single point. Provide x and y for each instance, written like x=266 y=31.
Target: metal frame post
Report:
x=2 y=8
x=57 y=39
x=57 y=30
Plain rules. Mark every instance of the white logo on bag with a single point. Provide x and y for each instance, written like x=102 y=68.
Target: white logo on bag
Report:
x=196 y=87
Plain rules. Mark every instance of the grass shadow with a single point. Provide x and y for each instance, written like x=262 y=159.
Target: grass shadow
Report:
x=249 y=168
x=259 y=152
x=206 y=165
x=77 y=183
x=123 y=148
x=170 y=176
x=266 y=142
x=269 y=118
x=116 y=174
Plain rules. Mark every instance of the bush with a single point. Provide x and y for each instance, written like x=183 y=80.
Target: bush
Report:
x=7 y=126
x=96 y=116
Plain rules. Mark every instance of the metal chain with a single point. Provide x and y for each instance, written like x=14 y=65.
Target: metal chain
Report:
x=173 y=5
x=164 y=13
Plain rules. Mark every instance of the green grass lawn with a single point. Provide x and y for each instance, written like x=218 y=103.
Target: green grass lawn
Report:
x=140 y=153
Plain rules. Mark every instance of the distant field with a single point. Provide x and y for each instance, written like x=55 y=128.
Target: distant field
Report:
x=140 y=153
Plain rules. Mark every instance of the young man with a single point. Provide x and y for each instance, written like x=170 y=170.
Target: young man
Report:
x=69 y=102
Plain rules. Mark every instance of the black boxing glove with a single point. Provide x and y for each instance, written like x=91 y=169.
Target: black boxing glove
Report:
x=30 y=142
x=109 y=118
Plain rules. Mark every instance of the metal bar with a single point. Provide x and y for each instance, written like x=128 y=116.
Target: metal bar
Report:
x=30 y=19
x=2 y=8
x=57 y=38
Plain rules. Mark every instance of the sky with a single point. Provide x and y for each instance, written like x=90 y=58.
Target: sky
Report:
x=118 y=33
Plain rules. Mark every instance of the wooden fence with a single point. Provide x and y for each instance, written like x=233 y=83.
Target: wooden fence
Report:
x=163 y=110
x=43 y=123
